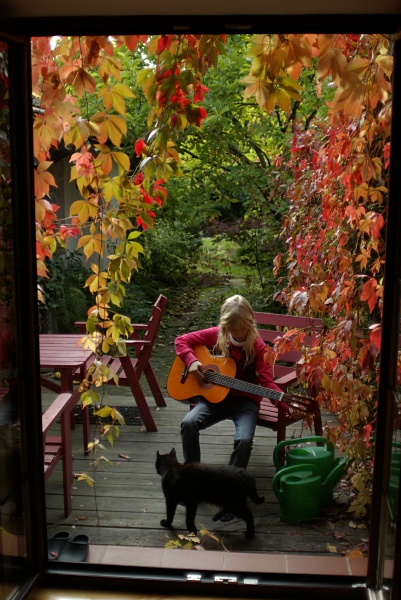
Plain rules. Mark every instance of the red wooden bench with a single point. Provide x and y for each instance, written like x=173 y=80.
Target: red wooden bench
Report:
x=271 y=326
x=58 y=447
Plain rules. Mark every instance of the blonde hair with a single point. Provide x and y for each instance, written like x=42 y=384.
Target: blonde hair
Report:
x=236 y=312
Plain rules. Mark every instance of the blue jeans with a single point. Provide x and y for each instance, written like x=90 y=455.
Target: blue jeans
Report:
x=242 y=411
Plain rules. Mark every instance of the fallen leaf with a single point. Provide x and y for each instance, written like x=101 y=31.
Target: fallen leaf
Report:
x=355 y=554
x=331 y=548
x=339 y=535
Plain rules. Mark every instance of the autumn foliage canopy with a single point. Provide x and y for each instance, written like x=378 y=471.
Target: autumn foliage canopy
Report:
x=338 y=167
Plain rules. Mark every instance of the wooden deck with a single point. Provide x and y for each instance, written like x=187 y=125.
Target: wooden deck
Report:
x=126 y=504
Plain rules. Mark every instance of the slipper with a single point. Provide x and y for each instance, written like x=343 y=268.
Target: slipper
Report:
x=75 y=550
x=56 y=544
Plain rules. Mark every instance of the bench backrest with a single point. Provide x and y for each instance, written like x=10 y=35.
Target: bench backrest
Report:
x=144 y=352
x=290 y=321
x=271 y=326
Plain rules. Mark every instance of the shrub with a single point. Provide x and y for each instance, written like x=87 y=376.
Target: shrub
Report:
x=170 y=255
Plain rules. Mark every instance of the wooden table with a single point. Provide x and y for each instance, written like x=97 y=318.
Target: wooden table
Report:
x=61 y=352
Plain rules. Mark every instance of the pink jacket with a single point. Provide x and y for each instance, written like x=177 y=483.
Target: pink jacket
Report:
x=260 y=372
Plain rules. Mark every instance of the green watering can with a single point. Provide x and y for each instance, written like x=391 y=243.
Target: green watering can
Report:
x=331 y=469
x=298 y=489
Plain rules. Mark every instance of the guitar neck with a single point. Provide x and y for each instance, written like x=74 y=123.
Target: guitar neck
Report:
x=243 y=386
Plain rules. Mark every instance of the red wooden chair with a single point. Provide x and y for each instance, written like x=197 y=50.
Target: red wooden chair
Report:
x=130 y=369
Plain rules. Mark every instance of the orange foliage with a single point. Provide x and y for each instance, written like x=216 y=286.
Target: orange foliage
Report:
x=65 y=69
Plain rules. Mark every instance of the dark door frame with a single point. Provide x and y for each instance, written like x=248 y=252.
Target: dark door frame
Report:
x=22 y=127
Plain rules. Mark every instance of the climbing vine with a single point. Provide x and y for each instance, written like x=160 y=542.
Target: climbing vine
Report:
x=334 y=231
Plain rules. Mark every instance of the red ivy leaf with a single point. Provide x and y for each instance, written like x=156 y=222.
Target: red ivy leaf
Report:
x=369 y=293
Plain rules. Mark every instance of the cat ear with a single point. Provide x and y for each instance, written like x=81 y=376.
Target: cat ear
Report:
x=157 y=453
x=173 y=453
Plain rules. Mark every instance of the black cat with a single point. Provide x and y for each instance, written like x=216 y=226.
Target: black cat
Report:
x=193 y=483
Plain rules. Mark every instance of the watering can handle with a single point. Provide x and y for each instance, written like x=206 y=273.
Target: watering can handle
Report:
x=312 y=438
x=293 y=469
x=336 y=473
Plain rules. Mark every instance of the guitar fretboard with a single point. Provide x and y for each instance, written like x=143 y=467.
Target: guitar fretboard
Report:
x=242 y=386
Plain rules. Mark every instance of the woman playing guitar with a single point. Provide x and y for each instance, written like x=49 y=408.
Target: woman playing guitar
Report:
x=235 y=337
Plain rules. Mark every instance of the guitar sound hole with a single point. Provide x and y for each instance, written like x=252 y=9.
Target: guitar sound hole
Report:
x=208 y=372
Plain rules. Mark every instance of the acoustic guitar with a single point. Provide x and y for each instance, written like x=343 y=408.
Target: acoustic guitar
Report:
x=218 y=378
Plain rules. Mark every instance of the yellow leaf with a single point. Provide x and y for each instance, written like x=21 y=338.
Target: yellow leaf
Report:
x=91 y=244
x=105 y=346
x=42 y=272
x=40 y=212
x=331 y=548
x=114 y=96
x=104 y=162
x=386 y=62
x=111 y=127
x=87 y=478
x=122 y=161
x=82 y=82
x=290 y=84
x=84 y=209
x=105 y=159
x=326 y=382
x=332 y=62
x=355 y=554
x=110 y=65
x=74 y=136
x=351 y=99
x=260 y=88
x=283 y=100
x=271 y=102
x=113 y=188
x=51 y=242
x=358 y=65
x=44 y=165
x=45 y=130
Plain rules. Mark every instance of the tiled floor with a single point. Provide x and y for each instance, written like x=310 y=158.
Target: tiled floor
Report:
x=227 y=562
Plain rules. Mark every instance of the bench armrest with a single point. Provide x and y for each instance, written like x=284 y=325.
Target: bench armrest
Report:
x=55 y=410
